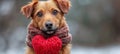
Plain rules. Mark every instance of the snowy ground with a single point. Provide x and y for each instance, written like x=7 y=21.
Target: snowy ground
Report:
x=79 y=50
x=115 y=49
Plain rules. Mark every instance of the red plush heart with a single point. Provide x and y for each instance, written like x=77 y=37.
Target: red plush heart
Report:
x=51 y=45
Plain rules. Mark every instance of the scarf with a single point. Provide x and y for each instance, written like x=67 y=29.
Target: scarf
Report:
x=63 y=34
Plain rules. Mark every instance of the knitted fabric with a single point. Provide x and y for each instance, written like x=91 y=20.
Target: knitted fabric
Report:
x=50 y=45
x=62 y=33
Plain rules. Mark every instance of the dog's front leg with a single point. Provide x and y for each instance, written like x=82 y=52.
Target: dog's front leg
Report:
x=29 y=50
x=66 y=49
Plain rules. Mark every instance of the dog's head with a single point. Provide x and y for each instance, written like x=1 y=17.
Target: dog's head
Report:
x=47 y=15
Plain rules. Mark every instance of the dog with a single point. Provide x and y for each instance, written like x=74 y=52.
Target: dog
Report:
x=48 y=16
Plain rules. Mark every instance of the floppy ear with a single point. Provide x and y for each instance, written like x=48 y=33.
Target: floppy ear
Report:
x=28 y=9
x=64 y=5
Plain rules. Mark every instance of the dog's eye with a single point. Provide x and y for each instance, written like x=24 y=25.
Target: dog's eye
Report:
x=39 y=14
x=54 y=12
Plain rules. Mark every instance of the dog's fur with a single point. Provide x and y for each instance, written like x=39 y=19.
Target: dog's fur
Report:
x=47 y=7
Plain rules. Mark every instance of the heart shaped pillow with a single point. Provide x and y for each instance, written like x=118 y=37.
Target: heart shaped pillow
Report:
x=51 y=45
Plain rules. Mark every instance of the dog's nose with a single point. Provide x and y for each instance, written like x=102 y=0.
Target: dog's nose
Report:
x=49 y=25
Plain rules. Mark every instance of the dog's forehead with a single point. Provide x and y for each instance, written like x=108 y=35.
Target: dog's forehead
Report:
x=46 y=4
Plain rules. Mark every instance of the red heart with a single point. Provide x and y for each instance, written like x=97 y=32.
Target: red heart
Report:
x=51 y=45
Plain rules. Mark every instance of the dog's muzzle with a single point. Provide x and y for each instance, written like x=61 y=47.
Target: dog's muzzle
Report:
x=49 y=28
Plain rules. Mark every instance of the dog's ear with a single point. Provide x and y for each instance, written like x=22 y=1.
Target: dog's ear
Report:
x=28 y=9
x=64 y=5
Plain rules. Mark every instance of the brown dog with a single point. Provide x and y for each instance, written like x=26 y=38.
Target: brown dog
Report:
x=47 y=16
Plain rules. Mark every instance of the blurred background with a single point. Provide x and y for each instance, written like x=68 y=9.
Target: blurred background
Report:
x=94 y=24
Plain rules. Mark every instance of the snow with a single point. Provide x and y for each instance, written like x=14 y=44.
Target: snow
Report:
x=114 y=49
x=78 y=50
